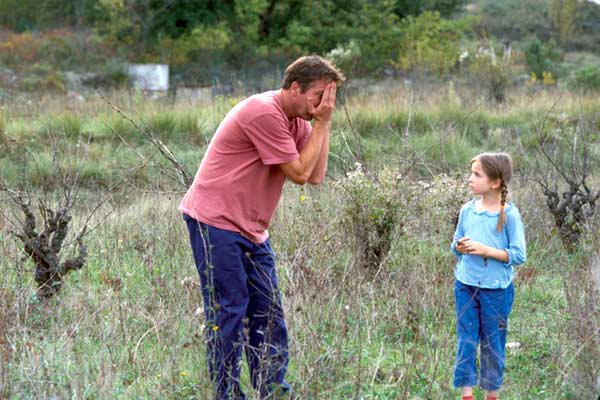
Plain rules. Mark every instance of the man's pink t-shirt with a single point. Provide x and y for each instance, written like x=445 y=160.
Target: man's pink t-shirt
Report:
x=239 y=182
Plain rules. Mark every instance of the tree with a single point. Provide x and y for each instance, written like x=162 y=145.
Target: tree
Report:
x=321 y=26
x=513 y=20
x=562 y=14
x=429 y=44
x=132 y=22
x=405 y=8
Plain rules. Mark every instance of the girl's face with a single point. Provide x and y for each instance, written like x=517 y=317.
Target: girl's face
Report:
x=479 y=182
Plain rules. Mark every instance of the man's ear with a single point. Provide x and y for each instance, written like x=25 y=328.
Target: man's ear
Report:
x=295 y=88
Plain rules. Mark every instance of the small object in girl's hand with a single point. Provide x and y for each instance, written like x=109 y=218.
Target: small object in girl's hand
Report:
x=462 y=240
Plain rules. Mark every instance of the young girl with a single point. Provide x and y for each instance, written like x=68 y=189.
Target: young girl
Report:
x=489 y=242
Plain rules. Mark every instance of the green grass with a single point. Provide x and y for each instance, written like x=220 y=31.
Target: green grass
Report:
x=427 y=136
x=125 y=326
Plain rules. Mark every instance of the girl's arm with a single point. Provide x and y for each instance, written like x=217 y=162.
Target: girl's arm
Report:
x=476 y=248
x=514 y=254
x=458 y=234
x=516 y=250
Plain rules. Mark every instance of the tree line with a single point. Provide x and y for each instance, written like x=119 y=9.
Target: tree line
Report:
x=363 y=35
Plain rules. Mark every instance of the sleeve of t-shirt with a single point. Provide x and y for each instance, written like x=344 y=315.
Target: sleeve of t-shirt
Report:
x=272 y=138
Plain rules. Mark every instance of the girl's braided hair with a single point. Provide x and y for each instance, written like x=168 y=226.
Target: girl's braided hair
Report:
x=497 y=166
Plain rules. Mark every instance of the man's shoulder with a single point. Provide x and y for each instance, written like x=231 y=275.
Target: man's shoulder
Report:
x=266 y=100
x=261 y=106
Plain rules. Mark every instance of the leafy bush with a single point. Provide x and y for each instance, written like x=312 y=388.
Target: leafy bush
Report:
x=543 y=58
x=59 y=48
x=346 y=57
x=373 y=208
x=111 y=75
x=586 y=79
x=491 y=75
x=194 y=45
x=429 y=44
x=42 y=76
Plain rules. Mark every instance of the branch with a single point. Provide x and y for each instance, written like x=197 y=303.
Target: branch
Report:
x=184 y=177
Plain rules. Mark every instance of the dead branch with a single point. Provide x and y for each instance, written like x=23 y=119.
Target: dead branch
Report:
x=182 y=175
x=565 y=181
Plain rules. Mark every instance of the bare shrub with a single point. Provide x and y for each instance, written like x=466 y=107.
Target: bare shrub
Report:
x=570 y=155
x=45 y=221
x=44 y=247
x=372 y=209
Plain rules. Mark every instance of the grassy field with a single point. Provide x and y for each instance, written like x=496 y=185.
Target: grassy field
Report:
x=129 y=325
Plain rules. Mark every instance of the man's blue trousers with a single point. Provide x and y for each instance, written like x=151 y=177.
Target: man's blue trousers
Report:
x=243 y=310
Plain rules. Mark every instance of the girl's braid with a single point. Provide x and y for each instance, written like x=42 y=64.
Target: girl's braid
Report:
x=502 y=216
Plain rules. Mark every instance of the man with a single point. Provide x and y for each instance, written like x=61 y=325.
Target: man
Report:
x=263 y=140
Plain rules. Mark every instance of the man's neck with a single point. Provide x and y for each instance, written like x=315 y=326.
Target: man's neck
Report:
x=286 y=103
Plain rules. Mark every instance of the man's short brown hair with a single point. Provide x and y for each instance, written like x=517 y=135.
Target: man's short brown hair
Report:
x=309 y=69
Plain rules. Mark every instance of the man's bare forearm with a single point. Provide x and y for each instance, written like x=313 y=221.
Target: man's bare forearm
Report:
x=318 y=174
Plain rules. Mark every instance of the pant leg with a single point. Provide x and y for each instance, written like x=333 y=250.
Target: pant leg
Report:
x=496 y=305
x=219 y=259
x=267 y=348
x=467 y=332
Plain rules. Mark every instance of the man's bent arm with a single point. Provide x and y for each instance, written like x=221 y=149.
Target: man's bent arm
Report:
x=301 y=170
x=318 y=174
x=316 y=151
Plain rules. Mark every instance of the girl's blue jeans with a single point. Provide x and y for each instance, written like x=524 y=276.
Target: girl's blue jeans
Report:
x=481 y=321
x=243 y=310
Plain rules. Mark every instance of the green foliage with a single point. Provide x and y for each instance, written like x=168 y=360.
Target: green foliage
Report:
x=514 y=19
x=346 y=57
x=429 y=44
x=543 y=57
x=587 y=30
x=563 y=13
x=491 y=75
x=391 y=337
x=52 y=51
x=196 y=44
x=374 y=207
x=372 y=27
x=586 y=79
x=51 y=81
x=2 y=125
x=109 y=75
x=69 y=124
x=405 y=8
x=247 y=25
x=33 y=15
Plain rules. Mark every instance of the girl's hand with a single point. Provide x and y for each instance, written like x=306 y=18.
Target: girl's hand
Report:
x=460 y=245
x=472 y=247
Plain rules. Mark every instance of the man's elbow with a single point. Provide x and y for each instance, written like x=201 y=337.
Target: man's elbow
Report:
x=298 y=179
x=316 y=180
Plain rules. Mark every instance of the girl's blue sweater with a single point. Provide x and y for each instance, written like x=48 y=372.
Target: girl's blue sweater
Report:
x=480 y=226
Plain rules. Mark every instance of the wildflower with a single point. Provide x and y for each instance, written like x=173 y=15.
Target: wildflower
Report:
x=183 y=373
x=513 y=345
x=302 y=197
x=215 y=328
